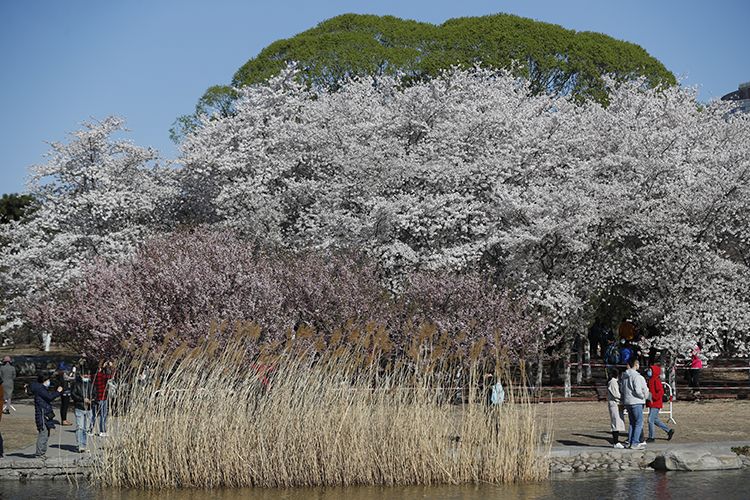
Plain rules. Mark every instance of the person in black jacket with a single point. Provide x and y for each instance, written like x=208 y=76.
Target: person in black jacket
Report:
x=65 y=377
x=44 y=416
x=82 y=395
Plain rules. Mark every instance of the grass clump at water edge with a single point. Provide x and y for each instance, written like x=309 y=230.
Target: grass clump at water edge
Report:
x=209 y=417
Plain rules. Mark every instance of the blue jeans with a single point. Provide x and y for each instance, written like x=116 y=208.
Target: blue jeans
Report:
x=653 y=418
x=635 y=418
x=101 y=415
x=83 y=422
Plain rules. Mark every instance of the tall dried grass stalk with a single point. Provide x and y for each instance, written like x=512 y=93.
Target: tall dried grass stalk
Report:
x=204 y=418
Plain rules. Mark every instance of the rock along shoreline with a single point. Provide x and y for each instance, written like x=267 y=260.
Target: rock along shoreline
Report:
x=677 y=457
x=563 y=460
x=23 y=469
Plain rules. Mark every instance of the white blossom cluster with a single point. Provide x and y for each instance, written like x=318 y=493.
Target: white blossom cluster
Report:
x=646 y=199
x=95 y=197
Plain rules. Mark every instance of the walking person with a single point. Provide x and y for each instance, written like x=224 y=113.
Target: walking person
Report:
x=696 y=364
x=82 y=394
x=8 y=376
x=656 y=389
x=101 y=386
x=634 y=393
x=616 y=409
x=44 y=416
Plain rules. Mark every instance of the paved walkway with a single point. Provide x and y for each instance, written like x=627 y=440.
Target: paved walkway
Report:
x=62 y=459
x=62 y=440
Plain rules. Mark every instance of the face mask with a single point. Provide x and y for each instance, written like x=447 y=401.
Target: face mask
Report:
x=649 y=372
x=46 y=384
x=86 y=379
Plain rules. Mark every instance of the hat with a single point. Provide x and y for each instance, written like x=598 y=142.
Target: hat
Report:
x=6 y=359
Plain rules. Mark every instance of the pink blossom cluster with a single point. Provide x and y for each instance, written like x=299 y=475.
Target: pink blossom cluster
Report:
x=188 y=281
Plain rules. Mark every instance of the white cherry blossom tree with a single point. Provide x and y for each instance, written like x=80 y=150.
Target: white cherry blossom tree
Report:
x=97 y=196
x=644 y=200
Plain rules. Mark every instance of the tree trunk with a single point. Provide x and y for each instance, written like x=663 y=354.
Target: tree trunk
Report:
x=539 y=372
x=587 y=358
x=566 y=382
x=672 y=378
x=46 y=341
x=579 y=361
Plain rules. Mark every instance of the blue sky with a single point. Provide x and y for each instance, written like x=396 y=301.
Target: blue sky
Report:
x=64 y=62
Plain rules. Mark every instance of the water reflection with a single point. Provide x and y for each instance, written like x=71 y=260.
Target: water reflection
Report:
x=727 y=485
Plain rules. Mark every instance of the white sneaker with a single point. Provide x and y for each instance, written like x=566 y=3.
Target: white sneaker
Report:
x=103 y=434
x=640 y=446
x=619 y=446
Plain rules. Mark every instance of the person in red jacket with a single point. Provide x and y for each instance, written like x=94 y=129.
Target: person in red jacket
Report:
x=101 y=393
x=655 y=404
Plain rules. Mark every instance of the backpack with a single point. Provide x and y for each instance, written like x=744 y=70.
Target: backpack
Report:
x=626 y=354
x=498 y=394
x=111 y=388
x=612 y=355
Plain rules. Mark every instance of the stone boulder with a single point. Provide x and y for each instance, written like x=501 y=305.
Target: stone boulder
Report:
x=696 y=459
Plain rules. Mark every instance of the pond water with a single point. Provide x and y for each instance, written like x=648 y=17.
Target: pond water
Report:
x=727 y=485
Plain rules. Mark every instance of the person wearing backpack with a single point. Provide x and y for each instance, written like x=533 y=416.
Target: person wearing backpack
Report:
x=626 y=351
x=616 y=410
x=612 y=357
x=634 y=393
x=656 y=388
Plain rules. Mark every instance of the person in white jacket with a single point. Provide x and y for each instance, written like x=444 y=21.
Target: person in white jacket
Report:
x=616 y=415
x=634 y=393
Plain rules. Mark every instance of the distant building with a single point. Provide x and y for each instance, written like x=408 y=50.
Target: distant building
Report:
x=741 y=96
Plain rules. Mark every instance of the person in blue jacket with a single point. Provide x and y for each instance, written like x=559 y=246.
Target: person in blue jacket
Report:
x=44 y=416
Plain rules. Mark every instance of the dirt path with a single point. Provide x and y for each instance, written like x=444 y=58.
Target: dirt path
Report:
x=574 y=424
x=587 y=424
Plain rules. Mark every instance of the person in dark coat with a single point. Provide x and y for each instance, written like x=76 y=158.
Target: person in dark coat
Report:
x=44 y=416
x=600 y=335
x=66 y=375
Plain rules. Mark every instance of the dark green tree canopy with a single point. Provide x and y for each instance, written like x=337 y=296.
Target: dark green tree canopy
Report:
x=553 y=58
x=14 y=206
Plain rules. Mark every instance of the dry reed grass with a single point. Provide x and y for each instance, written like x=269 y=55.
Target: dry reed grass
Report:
x=204 y=418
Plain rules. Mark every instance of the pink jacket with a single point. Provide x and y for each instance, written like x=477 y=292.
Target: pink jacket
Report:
x=695 y=361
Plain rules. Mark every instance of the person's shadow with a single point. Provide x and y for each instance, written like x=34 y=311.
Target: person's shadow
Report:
x=591 y=436
x=66 y=447
x=567 y=442
x=20 y=455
